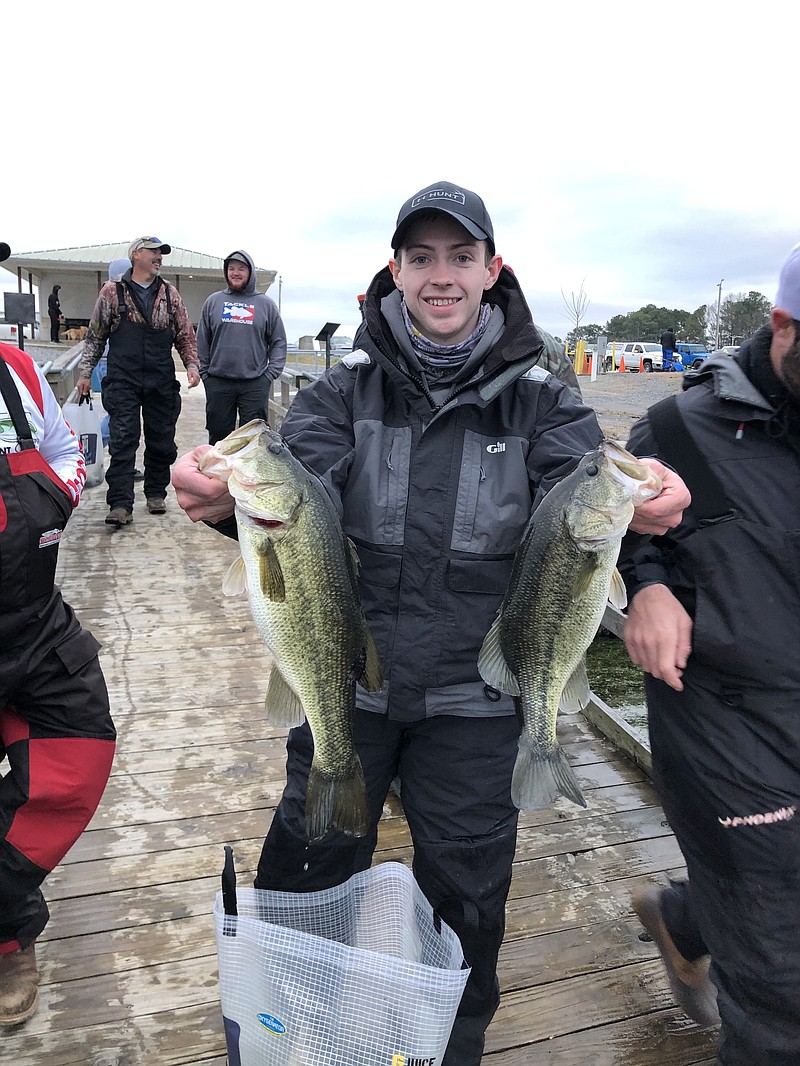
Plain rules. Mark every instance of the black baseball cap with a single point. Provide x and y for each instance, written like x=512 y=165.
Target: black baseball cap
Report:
x=5 y=251
x=464 y=206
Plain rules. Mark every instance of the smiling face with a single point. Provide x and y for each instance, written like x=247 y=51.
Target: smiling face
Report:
x=238 y=275
x=146 y=263
x=443 y=273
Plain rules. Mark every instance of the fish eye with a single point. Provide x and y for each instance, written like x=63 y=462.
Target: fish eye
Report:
x=276 y=449
x=592 y=470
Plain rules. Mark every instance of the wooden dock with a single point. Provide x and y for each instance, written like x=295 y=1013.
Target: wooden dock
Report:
x=128 y=961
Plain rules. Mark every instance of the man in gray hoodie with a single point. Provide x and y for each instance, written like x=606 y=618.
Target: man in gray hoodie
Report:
x=241 y=345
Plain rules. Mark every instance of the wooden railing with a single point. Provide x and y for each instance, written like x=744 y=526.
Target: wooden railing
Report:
x=282 y=391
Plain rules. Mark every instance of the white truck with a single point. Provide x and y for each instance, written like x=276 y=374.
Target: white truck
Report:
x=644 y=355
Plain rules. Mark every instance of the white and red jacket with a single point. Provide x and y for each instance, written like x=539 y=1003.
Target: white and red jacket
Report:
x=53 y=438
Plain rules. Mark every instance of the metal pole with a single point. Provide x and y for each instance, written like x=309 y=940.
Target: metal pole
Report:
x=280 y=286
x=719 y=301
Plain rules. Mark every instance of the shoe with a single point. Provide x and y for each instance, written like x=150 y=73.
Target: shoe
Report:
x=19 y=986
x=689 y=981
x=156 y=505
x=118 y=516
x=138 y=475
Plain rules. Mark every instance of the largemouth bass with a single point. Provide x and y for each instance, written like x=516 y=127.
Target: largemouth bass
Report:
x=564 y=572
x=299 y=571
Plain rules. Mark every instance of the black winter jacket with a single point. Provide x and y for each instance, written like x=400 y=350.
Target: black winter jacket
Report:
x=737 y=573
x=436 y=492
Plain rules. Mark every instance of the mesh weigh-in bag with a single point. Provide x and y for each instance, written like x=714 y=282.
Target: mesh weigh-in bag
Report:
x=363 y=974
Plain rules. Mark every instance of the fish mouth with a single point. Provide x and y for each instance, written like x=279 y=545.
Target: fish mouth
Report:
x=259 y=519
x=629 y=471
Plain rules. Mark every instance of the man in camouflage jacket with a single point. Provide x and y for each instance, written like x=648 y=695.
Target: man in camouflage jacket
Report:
x=142 y=317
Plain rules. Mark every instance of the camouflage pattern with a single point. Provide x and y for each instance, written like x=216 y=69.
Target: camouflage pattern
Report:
x=106 y=318
x=555 y=360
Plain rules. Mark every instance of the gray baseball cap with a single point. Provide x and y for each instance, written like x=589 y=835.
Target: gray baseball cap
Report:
x=464 y=206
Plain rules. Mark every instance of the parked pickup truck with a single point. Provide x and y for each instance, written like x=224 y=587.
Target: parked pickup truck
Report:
x=636 y=354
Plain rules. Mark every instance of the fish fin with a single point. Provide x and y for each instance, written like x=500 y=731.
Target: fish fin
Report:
x=541 y=776
x=282 y=704
x=270 y=572
x=617 y=593
x=492 y=665
x=337 y=802
x=235 y=581
x=575 y=695
x=584 y=576
x=372 y=676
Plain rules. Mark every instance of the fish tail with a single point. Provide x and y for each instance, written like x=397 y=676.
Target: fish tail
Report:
x=337 y=802
x=541 y=775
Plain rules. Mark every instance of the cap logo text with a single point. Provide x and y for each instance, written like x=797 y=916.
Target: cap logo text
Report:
x=455 y=197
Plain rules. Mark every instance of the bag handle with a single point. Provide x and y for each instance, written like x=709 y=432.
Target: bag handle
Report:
x=229 y=883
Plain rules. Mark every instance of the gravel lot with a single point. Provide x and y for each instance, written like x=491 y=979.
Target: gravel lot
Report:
x=620 y=399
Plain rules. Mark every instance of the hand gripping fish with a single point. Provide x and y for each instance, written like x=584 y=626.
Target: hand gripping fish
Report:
x=299 y=571
x=564 y=572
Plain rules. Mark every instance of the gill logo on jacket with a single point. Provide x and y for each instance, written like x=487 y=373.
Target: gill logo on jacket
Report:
x=236 y=312
x=499 y=446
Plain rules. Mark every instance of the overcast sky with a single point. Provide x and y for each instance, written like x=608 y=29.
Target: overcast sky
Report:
x=645 y=152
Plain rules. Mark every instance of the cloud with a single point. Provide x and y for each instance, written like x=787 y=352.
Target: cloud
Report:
x=642 y=156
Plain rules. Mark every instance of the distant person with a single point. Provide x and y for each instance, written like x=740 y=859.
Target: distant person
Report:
x=241 y=346
x=714 y=621
x=55 y=726
x=54 y=311
x=141 y=316
x=669 y=344
x=116 y=268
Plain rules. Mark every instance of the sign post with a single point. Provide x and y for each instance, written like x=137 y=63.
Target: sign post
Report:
x=20 y=307
x=325 y=334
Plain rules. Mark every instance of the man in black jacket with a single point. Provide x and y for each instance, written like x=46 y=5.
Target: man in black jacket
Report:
x=668 y=344
x=437 y=436
x=714 y=620
x=54 y=311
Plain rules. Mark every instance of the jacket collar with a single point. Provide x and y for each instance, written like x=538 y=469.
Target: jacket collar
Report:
x=520 y=339
x=728 y=380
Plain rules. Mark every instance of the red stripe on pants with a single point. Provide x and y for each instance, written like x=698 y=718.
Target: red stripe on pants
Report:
x=67 y=776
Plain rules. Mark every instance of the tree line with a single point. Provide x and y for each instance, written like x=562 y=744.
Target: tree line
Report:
x=740 y=315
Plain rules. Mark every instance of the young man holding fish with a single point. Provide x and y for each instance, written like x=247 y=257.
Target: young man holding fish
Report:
x=714 y=620
x=436 y=438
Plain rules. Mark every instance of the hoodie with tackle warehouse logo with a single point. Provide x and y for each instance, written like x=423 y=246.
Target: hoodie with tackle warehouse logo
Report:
x=240 y=334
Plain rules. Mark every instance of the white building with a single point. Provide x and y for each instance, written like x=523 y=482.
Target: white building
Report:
x=81 y=272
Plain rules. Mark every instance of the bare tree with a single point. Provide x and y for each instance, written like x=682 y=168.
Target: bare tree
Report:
x=576 y=307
